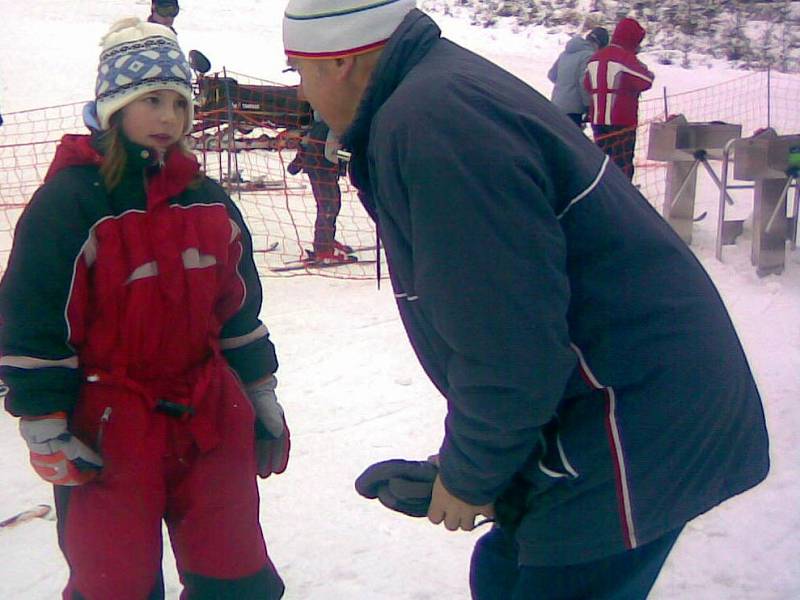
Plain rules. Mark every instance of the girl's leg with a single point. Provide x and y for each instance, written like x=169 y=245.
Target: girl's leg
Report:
x=110 y=528
x=213 y=514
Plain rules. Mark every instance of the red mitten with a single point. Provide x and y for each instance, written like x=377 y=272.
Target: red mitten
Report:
x=56 y=455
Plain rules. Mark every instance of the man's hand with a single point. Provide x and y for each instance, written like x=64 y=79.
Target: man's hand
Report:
x=273 y=441
x=56 y=455
x=455 y=513
x=289 y=139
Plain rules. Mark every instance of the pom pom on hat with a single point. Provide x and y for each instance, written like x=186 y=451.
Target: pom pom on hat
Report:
x=139 y=58
x=333 y=28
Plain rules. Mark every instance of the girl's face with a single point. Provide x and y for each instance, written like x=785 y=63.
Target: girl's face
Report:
x=156 y=120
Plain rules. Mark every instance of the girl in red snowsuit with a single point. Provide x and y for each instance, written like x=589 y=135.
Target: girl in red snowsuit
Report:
x=132 y=345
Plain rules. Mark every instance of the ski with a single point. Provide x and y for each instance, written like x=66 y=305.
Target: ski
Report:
x=41 y=511
x=271 y=248
x=311 y=266
x=363 y=248
x=310 y=258
x=254 y=186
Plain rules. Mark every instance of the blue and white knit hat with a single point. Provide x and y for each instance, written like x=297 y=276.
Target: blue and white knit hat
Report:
x=333 y=28
x=138 y=58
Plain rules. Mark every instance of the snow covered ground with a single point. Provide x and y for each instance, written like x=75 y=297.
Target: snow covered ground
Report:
x=351 y=386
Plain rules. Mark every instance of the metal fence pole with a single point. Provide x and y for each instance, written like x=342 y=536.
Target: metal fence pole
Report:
x=769 y=97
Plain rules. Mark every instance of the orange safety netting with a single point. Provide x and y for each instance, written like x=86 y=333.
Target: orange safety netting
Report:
x=246 y=135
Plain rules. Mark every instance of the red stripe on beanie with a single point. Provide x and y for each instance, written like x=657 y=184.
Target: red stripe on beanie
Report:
x=338 y=54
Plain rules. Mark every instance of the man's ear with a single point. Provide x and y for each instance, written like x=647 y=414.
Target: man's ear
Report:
x=344 y=67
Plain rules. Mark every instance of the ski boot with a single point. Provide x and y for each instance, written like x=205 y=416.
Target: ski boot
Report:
x=342 y=247
x=333 y=256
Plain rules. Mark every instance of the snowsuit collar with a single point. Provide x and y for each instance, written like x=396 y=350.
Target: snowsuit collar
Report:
x=409 y=43
x=73 y=150
x=164 y=180
x=144 y=179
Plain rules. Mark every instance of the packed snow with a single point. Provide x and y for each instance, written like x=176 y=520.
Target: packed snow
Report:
x=351 y=386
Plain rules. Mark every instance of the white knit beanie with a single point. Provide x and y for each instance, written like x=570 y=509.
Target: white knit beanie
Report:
x=138 y=58
x=333 y=28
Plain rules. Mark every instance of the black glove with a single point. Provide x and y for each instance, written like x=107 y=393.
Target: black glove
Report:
x=297 y=163
x=402 y=485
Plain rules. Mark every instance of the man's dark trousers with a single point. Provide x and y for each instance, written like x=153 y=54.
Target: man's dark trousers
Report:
x=495 y=575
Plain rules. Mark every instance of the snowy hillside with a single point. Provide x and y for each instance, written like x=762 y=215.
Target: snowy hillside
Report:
x=687 y=32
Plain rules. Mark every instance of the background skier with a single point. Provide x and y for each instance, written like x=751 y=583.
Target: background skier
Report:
x=615 y=78
x=316 y=157
x=567 y=74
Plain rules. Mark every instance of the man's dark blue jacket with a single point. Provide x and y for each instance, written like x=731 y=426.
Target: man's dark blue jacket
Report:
x=578 y=341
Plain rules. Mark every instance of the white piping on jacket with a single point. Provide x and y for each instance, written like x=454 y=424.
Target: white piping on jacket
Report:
x=588 y=190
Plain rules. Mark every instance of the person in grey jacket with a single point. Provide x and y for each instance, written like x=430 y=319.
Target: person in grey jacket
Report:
x=585 y=356
x=567 y=74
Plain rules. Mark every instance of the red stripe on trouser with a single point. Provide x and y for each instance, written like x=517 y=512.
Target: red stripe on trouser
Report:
x=626 y=534
x=152 y=468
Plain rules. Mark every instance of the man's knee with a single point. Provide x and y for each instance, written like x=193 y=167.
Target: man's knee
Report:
x=493 y=569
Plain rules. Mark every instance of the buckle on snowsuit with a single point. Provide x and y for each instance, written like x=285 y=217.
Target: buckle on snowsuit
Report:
x=173 y=409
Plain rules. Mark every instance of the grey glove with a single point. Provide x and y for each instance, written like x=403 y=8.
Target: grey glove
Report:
x=273 y=441
x=56 y=455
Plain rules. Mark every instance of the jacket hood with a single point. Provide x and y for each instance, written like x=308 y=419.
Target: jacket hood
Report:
x=73 y=150
x=413 y=38
x=578 y=44
x=628 y=34
x=410 y=42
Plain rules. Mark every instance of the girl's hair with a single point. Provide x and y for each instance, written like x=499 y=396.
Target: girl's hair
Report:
x=115 y=157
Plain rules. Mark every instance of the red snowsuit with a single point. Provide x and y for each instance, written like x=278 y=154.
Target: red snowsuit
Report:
x=614 y=79
x=136 y=312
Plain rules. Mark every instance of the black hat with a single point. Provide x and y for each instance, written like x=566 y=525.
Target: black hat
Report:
x=599 y=36
x=166 y=8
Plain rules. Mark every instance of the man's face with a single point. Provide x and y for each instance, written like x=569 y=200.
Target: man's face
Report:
x=324 y=84
x=168 y=18
x=157 y=18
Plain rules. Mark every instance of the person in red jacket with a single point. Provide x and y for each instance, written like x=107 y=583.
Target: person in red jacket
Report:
x=614 y=79
x=132 y=346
